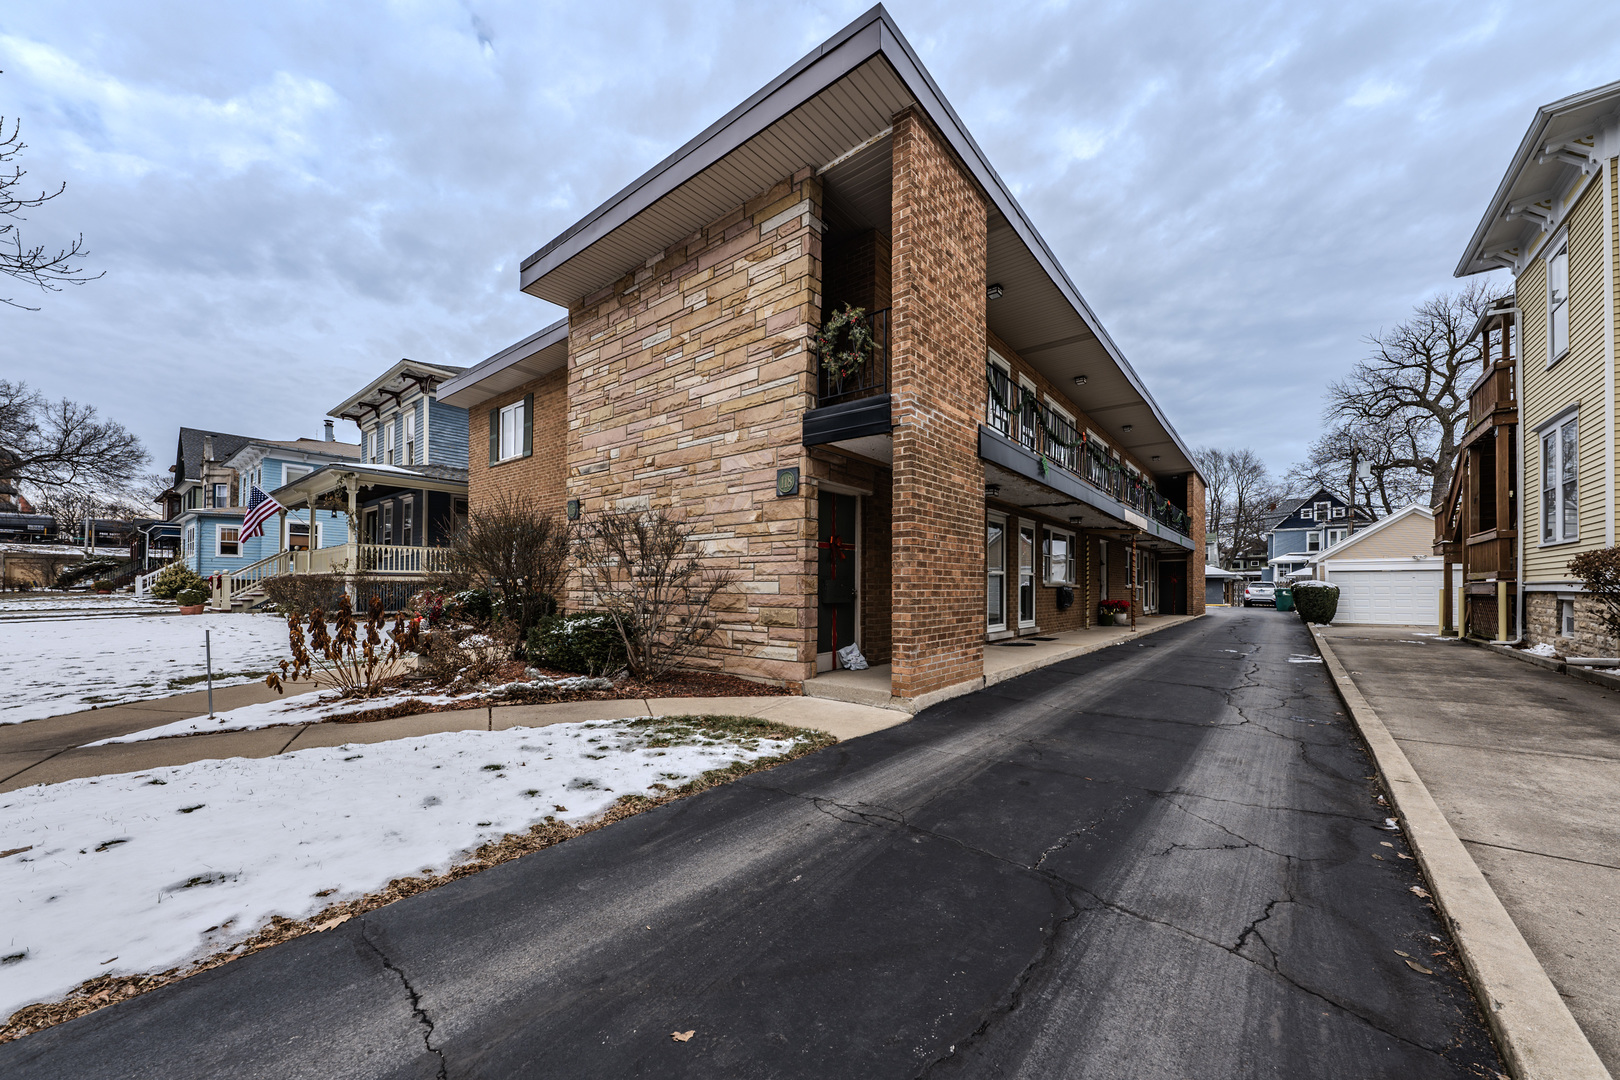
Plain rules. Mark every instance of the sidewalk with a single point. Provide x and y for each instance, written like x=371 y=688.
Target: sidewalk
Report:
x=1525 y=765
x=53 y=750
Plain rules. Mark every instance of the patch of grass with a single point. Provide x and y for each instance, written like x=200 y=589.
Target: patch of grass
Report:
x=197 y=680
x=94 y=993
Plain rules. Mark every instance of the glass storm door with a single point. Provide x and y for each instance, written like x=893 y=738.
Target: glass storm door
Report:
x=995 y=572
x=836 y=557
x=1026 y=576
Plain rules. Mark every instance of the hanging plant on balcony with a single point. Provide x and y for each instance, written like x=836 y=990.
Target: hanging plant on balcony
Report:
x=850 y=322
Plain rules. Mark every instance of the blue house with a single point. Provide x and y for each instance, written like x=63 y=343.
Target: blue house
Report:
x=220 y=470
x=1313 y=525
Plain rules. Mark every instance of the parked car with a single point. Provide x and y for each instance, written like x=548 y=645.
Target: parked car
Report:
x=1259 y=592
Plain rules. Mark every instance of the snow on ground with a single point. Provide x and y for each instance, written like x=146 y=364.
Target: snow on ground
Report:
x=298 y=709
x=50 y=667
x=1540 y=649
x=143 y=872
x=54 y=605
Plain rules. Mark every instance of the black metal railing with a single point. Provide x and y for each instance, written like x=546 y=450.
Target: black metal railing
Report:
x=1021 y=416
x=869 y=379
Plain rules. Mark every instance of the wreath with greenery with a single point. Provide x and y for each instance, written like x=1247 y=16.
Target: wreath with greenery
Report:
x=853 y=324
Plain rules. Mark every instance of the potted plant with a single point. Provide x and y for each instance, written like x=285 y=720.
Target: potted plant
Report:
x=191 y=601
x=1115 y=612
x=104 y=587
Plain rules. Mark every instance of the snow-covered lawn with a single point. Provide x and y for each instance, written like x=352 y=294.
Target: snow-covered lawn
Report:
x=41 y=605
x=143 y=872
x=49 y=667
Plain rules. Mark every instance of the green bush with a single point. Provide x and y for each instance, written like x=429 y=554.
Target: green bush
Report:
x=191 y=597
x=173 y=579
x=587 y=644
x=1316 y=601
x=103 y=586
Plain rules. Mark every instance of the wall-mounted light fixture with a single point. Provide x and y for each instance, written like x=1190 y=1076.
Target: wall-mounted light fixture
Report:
x=992 y=490
x=994 y=291
x=1079 y=380
x=1077 y=520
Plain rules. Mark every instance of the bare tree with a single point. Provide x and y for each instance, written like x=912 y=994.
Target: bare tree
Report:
x=1213 y=467
x=1366 y=464
x=1413 y=388
x=646 y=571
x=55 y=446
x=515 y=551
x=1254 y=495
x=36 y=265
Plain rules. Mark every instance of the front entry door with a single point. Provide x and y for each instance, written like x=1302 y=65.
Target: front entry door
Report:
x=836 y=557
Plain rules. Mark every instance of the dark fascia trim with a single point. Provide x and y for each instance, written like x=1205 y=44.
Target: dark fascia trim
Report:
x=998 y=449
x=512 y=354
x=1521 y=158
x=849 y=420
x=872 y=34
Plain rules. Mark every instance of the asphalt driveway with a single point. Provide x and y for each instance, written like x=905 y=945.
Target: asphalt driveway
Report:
x=1160 y=860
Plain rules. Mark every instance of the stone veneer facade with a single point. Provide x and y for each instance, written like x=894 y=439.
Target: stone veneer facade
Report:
x=1541 y=626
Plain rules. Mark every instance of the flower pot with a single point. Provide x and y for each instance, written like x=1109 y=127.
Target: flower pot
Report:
x=103 y=592
x=192 y=609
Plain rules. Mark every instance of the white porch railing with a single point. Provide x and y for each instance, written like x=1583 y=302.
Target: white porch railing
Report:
x=143 y=582
x=229 y=586
x=392 y=559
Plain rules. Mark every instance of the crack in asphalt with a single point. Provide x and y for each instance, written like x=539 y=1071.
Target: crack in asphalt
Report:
x=416 y=1003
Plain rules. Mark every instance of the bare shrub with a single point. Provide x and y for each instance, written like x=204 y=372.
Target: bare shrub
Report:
x=451 y=656
x=516 y=552
x=1599 y=572
x=646 y=572
x=300 y=594
x=350 y=657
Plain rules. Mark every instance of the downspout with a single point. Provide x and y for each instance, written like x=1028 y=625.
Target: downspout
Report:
x=1518 y=477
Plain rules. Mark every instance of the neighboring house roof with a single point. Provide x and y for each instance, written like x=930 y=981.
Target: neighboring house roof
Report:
x=1393 y=537
x=403 y=377
x=305 y=449
x=188 y=456
x=541 y=353
x=330 y=447
x=1567 y=139
x=832 y=112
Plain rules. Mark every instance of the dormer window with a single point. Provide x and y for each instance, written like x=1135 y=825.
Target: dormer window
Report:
x=1322 y=510
x=1338 y=511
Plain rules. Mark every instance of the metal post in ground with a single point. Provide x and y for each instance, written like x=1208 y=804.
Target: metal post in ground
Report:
x=208 y=667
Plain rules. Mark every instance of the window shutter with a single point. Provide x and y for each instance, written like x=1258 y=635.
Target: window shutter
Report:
x=494 y=436
x=528 y=424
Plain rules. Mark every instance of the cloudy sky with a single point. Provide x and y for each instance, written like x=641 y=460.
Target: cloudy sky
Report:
x=288 y=197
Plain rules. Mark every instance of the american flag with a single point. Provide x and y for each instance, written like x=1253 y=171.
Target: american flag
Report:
x=259 y=507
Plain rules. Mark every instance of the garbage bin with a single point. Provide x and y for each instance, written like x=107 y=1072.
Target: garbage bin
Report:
x=1285 y=599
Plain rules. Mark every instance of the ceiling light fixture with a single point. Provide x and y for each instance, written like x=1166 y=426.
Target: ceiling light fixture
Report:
x=1155 y=457
x=1125 y=427
x=992 y=490
x=1079 y=380
x=994 y=291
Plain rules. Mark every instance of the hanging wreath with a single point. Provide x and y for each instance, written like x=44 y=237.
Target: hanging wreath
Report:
x=852 y=323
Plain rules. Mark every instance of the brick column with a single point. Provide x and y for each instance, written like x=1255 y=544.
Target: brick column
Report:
x=937 y=379
x=1195 y=560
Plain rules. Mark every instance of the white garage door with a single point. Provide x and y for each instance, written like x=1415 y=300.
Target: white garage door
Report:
x=1407 y=597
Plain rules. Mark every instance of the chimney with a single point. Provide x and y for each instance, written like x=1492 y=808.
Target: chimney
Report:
x=329 y=436
x=208 y=448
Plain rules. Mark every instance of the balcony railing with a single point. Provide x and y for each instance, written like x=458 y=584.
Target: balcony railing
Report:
x=1022 y=417
x=1493 y=391
x=869 y=379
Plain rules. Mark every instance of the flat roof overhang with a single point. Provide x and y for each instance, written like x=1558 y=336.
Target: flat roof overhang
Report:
x=541 y=353
x=839 y=97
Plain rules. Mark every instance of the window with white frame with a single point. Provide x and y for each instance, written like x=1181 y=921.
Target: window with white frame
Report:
x=1002 y=401
x=410 y=438
x=191 y=539
x=388 y=523
x=388 y=442
x=1321 y=511
x=1558 y=301
x=1028 y=402
x=995 y=571
x=219 y=495
x=511 y=437
x=1057 y=555
x=1336 y=535
x=289 y=473
x=226 y=542
x=1566 y=618
x=374 y=436
x=1560 y=476
x=407 y=519
x=1338 y=511
x=1313 y=541
x=1065 y=448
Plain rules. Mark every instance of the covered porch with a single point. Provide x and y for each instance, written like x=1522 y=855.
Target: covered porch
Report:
x=399 y=523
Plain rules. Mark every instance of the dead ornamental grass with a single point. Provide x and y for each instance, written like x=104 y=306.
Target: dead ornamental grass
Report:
x=105 y=990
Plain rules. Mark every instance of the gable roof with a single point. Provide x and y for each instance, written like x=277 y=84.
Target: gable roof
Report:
x=188 y=455
x=1339 y=550
x=842 y=97
x=1565 y=142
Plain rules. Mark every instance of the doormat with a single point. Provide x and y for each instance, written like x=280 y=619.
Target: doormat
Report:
x=1043 y=639
x=1014 y=644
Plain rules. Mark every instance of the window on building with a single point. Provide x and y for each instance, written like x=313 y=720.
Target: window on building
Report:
x=511 y=437
x=1321 y=511
x=1566 y=618
x=1313 y=541
x=191 y=539
x=995 y=571
x=1558 y=301
x=1002 y=401
x=1063 y=447
x=1335 y=535
x=1338 y=511
x=1058 y=557
x=388 y=523
x=1028 y=402
x=1026 y=575
x=297 y=536
x=226 y=544
x=407 y=516
x=410 y=438
x=289 y=473
x=388 y=442
x=219 y=495
x=1560 y=474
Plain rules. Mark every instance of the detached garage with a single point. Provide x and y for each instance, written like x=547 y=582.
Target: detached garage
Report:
x=1387 y=573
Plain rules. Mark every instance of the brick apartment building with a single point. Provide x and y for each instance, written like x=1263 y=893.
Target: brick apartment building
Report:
x=993 y=471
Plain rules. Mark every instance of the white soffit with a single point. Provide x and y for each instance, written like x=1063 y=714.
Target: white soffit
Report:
x=541 y=353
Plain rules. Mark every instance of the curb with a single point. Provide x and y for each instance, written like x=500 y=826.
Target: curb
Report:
x=1595 y=676
x=1538 y=1037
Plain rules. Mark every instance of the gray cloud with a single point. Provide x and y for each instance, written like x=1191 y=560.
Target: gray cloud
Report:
x=289 y=198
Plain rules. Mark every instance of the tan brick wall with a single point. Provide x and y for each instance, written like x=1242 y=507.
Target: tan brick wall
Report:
x=687 y=381
x=541 y=475
x=938 y=235
x=1195 y=557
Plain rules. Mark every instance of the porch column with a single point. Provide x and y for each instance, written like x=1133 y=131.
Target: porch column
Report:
x=1446 y=613
x=351 y=485
x=1136 y=581
x=281 y=535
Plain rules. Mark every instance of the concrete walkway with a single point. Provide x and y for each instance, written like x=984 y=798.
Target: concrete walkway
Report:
x=1525 y=765
x=50 y=751
x=1003 y=660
